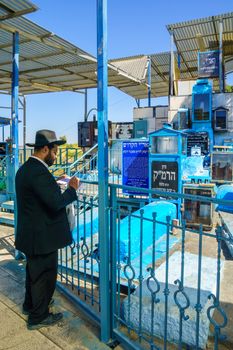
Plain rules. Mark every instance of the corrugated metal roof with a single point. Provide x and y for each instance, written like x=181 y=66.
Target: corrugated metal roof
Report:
x=13 y=8
x=139 y=64
x=226 y=17
x=50 y=63
x=186 y=37
x=136 y=66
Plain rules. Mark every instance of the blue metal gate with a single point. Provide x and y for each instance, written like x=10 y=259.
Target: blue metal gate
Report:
x=165 y=277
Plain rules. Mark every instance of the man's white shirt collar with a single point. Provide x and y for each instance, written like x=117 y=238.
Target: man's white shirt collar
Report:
x=40 y=160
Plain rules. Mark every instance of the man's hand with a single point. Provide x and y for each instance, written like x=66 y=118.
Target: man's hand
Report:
x=62 y=177
x=74 y=182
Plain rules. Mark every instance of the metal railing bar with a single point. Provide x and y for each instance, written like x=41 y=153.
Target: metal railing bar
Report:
x=80 y=290
x=140 y=277
x=118 y=262
x=92 y=277
x=79 y=303
x=113 y=267
x=198 y=305
x=166 y=289
x=126 y=341
x=174 y=195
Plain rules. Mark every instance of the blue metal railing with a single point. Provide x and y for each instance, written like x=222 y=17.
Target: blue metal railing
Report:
x=164 y=288
x=87 y=168
x=150 y=298
x=65 y=156
x=82 y=160
x=3 y=172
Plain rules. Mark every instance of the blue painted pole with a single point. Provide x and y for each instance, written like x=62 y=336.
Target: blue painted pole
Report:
x=24 y=129
x=113 y=240
x=102 y=73
x=14 y=162
x=149 y=81
x=138 y=102
x=171 y=71
x=221 y=77
x=14 y=111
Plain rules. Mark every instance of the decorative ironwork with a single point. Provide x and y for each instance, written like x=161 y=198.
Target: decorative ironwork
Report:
x=216 y=307
x=138 y=274
x=149 y=285
x=177 y=295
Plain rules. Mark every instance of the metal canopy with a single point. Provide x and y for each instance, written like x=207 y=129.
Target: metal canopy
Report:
x=203 y=35
x=159 y=74
x=135 y=65
x=190 y=37
x=12 y=8
x=50 y=63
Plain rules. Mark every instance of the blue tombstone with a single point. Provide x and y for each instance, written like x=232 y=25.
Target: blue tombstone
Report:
x=168 y=149
x=202 y=110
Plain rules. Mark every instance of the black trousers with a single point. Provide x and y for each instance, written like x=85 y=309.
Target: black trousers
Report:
x=41 y=276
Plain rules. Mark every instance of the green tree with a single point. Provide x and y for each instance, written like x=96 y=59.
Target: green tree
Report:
x=229 y=88
x=63 y=138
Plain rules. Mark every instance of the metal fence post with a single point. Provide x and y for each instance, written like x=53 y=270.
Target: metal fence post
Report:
x=113 y=275
x=149 y=81
x=14 y=164
x=103 y=167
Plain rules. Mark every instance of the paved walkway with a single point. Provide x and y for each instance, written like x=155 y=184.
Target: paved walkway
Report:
x=74 y=332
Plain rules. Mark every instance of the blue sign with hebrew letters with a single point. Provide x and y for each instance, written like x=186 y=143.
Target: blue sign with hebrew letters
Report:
x=135 y=165
x=208 y=64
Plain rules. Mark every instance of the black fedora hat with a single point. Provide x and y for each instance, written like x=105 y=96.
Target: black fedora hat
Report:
x=44 y=138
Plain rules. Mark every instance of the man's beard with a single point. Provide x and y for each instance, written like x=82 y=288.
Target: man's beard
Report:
x=49 y=160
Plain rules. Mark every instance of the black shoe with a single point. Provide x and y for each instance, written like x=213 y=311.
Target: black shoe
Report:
x=26 y=311
x=48 y=321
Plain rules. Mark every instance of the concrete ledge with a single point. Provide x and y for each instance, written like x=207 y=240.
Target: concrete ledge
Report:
x=7 y=218
x=208 y=284
x=227 y=222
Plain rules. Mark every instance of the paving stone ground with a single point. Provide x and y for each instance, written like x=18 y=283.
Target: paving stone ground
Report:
x=73 y=333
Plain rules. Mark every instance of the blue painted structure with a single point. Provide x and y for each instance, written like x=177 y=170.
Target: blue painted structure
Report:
x=80 y=271
x=88 y=224
x=102 y=96
x=89 y=220
x=105 y=261
x=195 y=171
x=149 y=81
x=163 y=209
x=135 y=165
x=140 y=128
x=13 y=147
x=14 y=158
x=202 y=116
x=168 y=149
x=182 y=118
x=225 y=192
x=3 y=123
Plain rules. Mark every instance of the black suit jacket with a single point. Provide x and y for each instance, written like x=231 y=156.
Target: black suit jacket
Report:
x=42 y=224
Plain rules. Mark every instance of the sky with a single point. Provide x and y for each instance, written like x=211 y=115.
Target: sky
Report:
x=134 y=27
